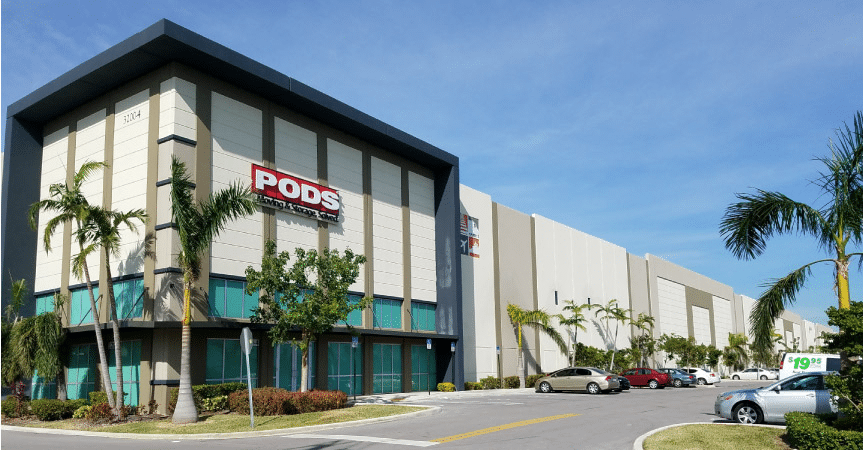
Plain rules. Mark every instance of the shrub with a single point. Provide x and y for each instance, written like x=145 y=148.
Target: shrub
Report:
x=83 y=412
x=49 y=409
x=100 y=397
x=314 y=401
x=269 y=401
x=490 y=382
x=100 y=411
x=512 y=382
x=217 y=403
x=808 y=432
x=472 y=386
x=13 y=407
x=530 y=381
x=446 y=387
x=73 y=405
x=204 y=391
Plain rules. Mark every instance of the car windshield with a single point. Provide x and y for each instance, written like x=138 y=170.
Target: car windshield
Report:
x=600 y=371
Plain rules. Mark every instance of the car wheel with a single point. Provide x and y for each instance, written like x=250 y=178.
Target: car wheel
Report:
x=652 y=384
x=735 y=377
x=702 y=381
x=678 y=383
x=763 y=377
x=593 y=388
x=747 y=413
x=545 y=388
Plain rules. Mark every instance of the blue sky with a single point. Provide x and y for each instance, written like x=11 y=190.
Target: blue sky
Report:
x=635 y=122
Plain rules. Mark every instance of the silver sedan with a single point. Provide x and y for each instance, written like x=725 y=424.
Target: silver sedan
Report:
x=805 y=392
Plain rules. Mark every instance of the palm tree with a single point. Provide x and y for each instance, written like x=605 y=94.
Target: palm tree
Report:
x=72 y=207
x=612 y=312
x=644 y=323
x=537 y=319
x=102 y=230
x=735 y=352
x=748 y=224
x=575 y=320
x=197 y=224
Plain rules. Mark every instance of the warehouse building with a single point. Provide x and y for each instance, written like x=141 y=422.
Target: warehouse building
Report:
x=443 y=260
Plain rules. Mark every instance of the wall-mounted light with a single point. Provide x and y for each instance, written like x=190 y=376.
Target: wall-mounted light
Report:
x=555 y=297
x=588 y=300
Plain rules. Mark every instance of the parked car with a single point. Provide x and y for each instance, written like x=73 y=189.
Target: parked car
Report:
x=642 y=376
x=624 y=384
x=702 y=376
x=755 y=373
x=588 y=379
x=805 y=392
x=679 y=378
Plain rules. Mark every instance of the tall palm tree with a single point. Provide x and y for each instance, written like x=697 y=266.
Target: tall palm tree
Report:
x=748 y=224
x=609 y=312
x=644 y=323
x=71 y=206
x=102 y=230
x=197 y=224
x=537 y=319
x=575 y=320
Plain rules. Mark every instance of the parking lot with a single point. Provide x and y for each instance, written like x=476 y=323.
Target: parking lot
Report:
x=500 y=419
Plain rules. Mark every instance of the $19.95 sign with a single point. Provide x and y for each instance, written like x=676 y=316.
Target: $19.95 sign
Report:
x=288 y=193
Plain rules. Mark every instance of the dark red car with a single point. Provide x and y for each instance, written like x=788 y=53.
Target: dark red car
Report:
x=641 y=376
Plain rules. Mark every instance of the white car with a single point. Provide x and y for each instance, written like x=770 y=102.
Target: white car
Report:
x=754 y=373
x=702 y=376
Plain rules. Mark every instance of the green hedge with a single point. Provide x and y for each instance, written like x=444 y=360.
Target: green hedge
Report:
x=207 y=391
x=270 y=401
x=809 y=432
x=512 y=382
x=11 y=408
x=472 y=386
x=50 y=409
x=530 y=381
x=490 y=382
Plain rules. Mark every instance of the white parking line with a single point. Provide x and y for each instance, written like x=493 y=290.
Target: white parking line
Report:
x=377 y=440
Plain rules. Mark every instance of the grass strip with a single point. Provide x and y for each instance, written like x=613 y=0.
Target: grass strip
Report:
x=231 y=423
x=717 y=437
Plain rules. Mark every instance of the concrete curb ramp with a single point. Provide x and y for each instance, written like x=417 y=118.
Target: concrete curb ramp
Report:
x=639 y=443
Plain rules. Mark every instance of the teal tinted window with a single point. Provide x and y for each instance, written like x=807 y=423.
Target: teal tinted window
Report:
x=387 y=313
x=288 y=361
x=227 y=363
x=355 y=317
x=130 y=353
x=387 y=366
x=228 y=298
x=42 y=388
x=81 y=378
x=44 y=303
x=423 y=316
x=345 y=368
x=423 y=373
x=79 y=305
x=129 y=297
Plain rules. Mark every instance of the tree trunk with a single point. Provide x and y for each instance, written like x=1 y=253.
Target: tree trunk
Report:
x=185 y=411
x=304 y=371
x=842 y=284
x=100 y=344
x=115 y=325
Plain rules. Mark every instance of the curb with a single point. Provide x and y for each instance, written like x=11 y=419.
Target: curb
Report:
x=429 y=410
x=639 y=443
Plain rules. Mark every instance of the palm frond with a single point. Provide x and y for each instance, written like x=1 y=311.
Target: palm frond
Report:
x=748 y=224
x=779 y=295
x=87 y=169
